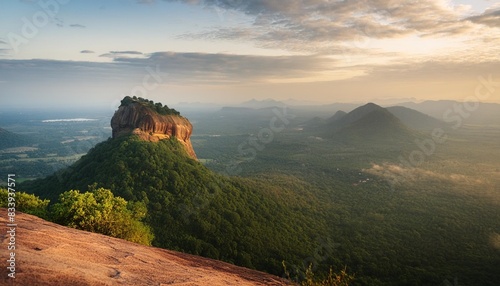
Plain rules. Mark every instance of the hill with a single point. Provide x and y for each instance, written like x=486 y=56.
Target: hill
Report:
x=250 y=223
x=367 y=123
x=340 y=119
x=452 y=112
x=415 y=119
x=376 y=126
x=337 y=116
x=9 y=139
x=355 y=115
x=65 y=256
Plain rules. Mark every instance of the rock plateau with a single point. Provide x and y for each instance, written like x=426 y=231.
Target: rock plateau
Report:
x=139 y=119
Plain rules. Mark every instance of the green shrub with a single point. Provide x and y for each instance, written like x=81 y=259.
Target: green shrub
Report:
x=26 y=203
x=100 y=211
x=341 y=278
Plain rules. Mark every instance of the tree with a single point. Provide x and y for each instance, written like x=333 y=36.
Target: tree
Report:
x=26 y=203
x=127 y=100
x=341 y=278
x=100 y=211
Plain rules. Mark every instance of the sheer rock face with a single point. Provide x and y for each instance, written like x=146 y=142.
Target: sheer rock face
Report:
x=151 y=126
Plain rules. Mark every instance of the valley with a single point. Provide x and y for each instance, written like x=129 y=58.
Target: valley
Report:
x=343 y=194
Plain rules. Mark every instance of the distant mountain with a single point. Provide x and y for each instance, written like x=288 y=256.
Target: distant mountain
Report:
x=9 y=139
x=337 y=116
x=330 y=108
x=469 y=113
x=314 y=124
x=295 y=102
x=318 y=123
x=415 y=119
x=236 y=109
x=254 y=103
x=376 y=125
x=367 y=123
x=247 y=114
x=193 y=108
x=430 y=107
x=356 y=115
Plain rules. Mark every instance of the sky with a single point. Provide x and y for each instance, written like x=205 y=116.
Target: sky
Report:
x=76 y=53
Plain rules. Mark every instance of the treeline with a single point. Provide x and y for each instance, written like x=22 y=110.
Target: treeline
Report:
x=158 y=106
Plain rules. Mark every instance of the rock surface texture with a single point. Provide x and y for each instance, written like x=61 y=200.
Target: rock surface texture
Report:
x=138 y=119
x=51 y=254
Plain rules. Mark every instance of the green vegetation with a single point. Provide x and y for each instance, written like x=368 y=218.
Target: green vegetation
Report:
x=9 y=139
x=341 y=278
x=310 y=200
x=436 y=223
x=158 y=107
x=96 y=211
x=100 y=211
x=44 y=148
x=253 y=223
x=26 y=203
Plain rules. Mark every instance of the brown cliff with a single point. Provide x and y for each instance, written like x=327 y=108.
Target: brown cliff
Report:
x=137 y=118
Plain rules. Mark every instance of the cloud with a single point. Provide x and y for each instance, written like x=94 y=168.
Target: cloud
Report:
x=228 y=67
x=93 y=82
x=490 y=17
x=2 y=42
x=180 y=67
x=223 y=76
x=119 y=54
x=77 y=26
x=87 y=52
x=126 y=52
x=35 y=67
x=215 y=69
x=327 y=21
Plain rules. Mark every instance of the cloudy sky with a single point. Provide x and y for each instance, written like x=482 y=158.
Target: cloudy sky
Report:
x=92 y=53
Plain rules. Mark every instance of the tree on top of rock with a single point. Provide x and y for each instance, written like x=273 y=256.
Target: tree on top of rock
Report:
x=158 y=107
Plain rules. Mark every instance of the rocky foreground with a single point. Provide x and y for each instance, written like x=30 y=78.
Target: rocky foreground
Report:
x=50 y=254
